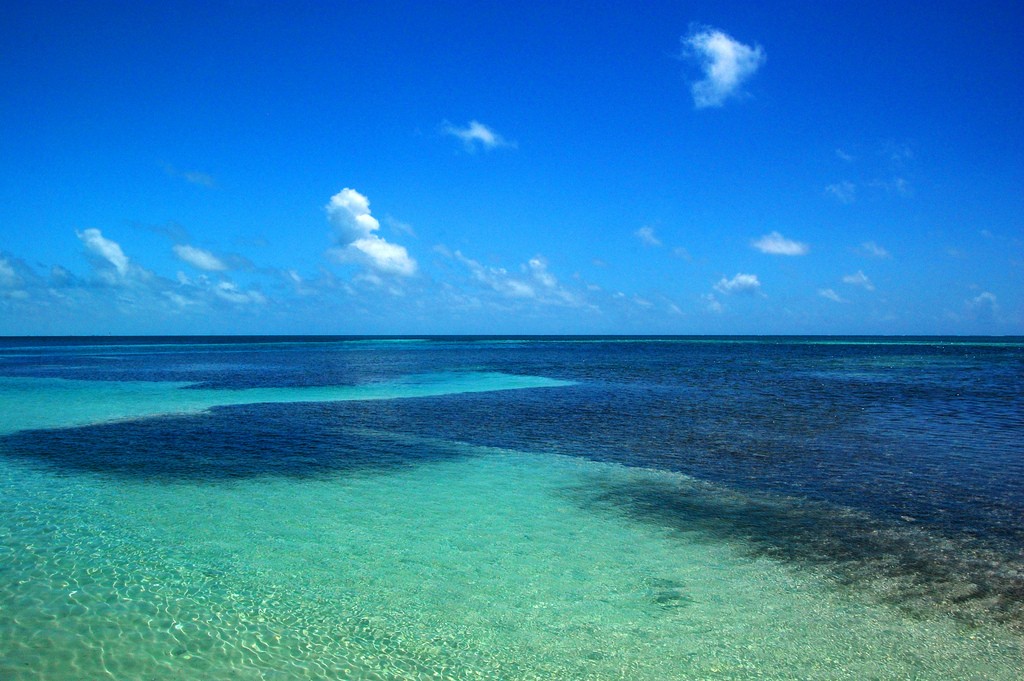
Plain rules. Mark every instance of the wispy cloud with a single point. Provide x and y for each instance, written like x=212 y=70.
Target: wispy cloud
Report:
x=776 y=244
x=711 y=303
x=399 y=226
x=859 y=279
x=230 y=292
x=874 y=250
x=897 y=185
x=497 y=278
x=647 y=236
x=191 y=176
x=898 y=152
x=476 y=135
x=201 y=292
x=8 y=279
x=199 y=258
x=112 y=266
x=741 y=283
x=725 y=62
x=196 y=177
x=12 y=282
x=107 y=250
x=349 y=213
x=535 y=283
x=830 y=294
x=843 y=192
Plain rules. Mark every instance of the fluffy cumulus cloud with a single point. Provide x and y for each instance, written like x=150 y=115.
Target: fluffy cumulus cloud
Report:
x=199 y=258
x=725 y=62
x=984 y=304
x=859 y=279
x=776 y=244
x=741 y=283
x=476 y=135
x=356 y=229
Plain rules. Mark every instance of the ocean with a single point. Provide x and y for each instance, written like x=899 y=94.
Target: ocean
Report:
x=511 y=508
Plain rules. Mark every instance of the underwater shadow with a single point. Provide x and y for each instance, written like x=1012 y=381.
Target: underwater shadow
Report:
x=303 y=440
x=900 y=565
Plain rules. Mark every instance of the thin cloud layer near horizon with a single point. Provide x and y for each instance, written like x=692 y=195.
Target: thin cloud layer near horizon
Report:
x=464 y=167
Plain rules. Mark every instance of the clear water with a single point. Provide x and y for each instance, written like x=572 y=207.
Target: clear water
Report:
x=511 y=509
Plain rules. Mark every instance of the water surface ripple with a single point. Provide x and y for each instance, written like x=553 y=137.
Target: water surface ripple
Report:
x=512 y=508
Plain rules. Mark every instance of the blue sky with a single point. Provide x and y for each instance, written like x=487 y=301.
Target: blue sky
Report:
x=499 y=167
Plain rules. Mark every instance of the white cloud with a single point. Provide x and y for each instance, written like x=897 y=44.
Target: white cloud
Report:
x=711 y=303
x=741 y=283
x=8 y=279
x=983 y=302
x=646 y=235
x=384 y=256
x=830 y=294
x=843 y=192
x=539 y=269
x=726 y=64
x=874 y=250
x=349 y=212
x=859 y=279
x=845 y=156
x=61 y=277
x=536 y=284
x=231 y=293
x=776 y=244
x=199 y=258
x=179 y=300
x=477 y=135
x=497 y=278
x=106 y=249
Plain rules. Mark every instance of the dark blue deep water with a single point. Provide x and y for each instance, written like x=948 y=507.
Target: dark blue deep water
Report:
x=928 y=430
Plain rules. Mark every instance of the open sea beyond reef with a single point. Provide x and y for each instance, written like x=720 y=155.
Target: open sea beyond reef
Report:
x=511 y=508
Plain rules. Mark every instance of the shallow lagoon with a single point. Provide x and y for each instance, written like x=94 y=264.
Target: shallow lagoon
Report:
x=445 y=531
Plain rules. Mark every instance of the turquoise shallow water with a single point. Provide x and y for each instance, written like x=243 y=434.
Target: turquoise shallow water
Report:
x=485 y=566
x=32 y=403
x=359 y=529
